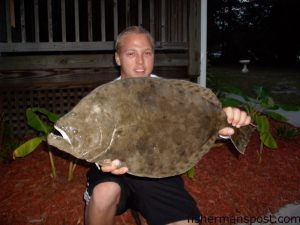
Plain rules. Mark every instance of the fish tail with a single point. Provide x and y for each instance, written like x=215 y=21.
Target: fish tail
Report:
x=241 y=137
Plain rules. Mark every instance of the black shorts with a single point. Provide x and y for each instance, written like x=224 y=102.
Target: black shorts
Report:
x=160 y=201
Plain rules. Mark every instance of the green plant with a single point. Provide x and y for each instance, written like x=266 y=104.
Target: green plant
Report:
x=287 y=132
x=191 y=173
x=261 y=109
x=43 y=125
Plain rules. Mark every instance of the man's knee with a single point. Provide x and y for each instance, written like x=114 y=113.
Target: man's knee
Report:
x=106 y=194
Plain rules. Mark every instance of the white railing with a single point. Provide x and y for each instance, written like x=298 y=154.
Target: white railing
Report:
x=88 y=25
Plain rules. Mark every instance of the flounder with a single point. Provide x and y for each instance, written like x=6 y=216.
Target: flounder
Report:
x=156 y=127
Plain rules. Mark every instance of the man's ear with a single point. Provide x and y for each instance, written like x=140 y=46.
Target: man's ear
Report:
x=117 y=59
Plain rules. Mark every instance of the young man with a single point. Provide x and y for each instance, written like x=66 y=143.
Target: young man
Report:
x=110 y=190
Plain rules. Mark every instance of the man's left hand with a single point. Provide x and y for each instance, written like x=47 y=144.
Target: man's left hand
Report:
x=236 y=118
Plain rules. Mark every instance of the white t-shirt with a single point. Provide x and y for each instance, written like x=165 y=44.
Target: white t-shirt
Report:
x=151 y=75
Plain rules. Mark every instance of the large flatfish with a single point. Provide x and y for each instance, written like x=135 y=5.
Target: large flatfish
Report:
x=156 y=127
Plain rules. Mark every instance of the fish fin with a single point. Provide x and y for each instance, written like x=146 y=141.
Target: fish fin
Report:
x=241 y=137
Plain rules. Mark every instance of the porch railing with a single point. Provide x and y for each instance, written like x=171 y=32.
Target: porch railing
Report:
x=89 y=25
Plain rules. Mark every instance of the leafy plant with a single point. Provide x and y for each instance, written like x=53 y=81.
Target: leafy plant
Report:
x=191 y=172
x=44 y=127
x=287 y=132
x=260 y=108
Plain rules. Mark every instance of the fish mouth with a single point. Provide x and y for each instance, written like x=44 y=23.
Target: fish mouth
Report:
x=60 y=132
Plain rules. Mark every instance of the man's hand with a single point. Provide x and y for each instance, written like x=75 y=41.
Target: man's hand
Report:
x=113 y=167
x=237 y=118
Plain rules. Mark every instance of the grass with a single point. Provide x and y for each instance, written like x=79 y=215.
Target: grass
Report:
x=283 y=85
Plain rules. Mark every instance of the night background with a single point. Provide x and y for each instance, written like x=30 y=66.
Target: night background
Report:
x=264 y=31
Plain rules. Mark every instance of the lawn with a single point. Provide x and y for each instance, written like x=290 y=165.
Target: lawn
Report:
x=283 y=85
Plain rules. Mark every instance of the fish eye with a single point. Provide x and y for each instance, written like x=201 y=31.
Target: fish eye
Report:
x=75 y=131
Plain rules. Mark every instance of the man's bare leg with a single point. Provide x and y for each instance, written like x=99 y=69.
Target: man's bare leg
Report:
x=102 y=207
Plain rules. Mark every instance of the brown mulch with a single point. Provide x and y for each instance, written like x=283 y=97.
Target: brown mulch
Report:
x=226 y=184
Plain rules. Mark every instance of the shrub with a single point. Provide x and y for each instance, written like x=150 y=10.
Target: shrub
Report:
x=261 y=108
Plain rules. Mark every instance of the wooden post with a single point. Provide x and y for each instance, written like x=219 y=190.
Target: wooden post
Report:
x=116 y=29
x=36 y=21
x=194 y=38
x=90 y=21
x=127 y=13
x=152 y=26
x=184 y=21
x=77 y=33
x=63 y=21
x=50 y=21
x=9 y=18
x=103 y=28
x=11 y=6
x=163 y=21
x=23 y=23
x=140 y=13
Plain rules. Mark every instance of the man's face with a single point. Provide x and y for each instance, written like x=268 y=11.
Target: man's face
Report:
x=135 y=56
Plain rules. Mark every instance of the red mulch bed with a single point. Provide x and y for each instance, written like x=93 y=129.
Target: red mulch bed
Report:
x=226 y=184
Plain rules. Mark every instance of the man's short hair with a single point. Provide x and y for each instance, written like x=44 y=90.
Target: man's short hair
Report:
x=133 y=30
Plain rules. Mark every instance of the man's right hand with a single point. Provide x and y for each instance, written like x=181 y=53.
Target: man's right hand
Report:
x=113 y=167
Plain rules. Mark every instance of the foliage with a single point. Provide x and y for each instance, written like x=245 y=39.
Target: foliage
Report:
x=43 y=128
x=287 y=132
x=261 y=109
x=42 y=121
x=191 y=172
